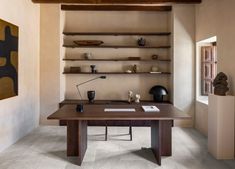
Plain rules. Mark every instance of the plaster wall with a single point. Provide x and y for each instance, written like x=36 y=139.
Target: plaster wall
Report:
x=184 y=61
x=50 y=49
x=216 y=18
x=20 y=115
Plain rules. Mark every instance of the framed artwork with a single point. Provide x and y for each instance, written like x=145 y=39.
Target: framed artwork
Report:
x=9 y=34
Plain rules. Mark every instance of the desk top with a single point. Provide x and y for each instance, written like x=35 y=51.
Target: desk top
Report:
x=96 y=112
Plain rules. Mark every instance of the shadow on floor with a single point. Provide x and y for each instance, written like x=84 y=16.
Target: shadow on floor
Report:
x=145 y=153
x=63 y=156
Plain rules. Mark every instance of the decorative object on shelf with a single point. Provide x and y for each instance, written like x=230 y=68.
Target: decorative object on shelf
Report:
x=88 y=42
x=79 y=107
x=130 y=96
x=158 y=92
x=93 y=70
x=133 y=58
x=87 y=56
x=135 y=69
x=220 y=84
x=155 y=57
x=128 y=71
x=75 y=69
x=91 y=96
x=154 y=69
x=137 y=98
x=9 y=39
x=141 y=42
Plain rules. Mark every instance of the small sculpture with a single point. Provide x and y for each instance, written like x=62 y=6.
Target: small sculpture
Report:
x=87 y=56
x=154 y=68
x=141 y=42
x=135 y=69
x=91 y=96
x=154 y=57
x=93 y=69
x=130 y=96
x=137 y=98
x=220 y=84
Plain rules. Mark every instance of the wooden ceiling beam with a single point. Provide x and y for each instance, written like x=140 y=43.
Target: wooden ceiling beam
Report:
x=118 y=1
x=114 y=8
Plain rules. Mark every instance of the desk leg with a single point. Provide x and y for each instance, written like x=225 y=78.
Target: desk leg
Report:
x=166 y=136
x=156 y=139
x=161 y=138
x=76 y=139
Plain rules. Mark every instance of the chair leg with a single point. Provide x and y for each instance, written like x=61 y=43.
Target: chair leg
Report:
x=106 y=132
x=130 y=131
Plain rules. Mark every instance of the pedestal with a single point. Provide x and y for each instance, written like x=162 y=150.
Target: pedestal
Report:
x=221 y=126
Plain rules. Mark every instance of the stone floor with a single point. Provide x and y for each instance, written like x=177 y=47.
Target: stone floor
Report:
x=45 y=148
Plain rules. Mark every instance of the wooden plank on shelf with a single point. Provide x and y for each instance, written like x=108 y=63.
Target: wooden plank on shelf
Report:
x=118 y=46
x=138 y=73
x=115 y=8
x=119 y=1
x=118 y=33
x=144 y=60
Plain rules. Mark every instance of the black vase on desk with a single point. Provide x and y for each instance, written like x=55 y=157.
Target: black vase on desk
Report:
x=91 y=96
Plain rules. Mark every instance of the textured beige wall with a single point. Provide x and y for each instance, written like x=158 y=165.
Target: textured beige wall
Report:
x=184 y=60
x=117 y=86
x=201 y=117
x=20 y=115
x=49 y=61
x=216 y=18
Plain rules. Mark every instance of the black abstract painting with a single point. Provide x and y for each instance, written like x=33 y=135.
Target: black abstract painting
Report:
x=8 y=60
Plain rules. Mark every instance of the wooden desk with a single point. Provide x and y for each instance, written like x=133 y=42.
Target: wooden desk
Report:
x=161 y=124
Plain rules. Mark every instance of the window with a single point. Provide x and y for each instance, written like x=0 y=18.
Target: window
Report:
x=206 y=68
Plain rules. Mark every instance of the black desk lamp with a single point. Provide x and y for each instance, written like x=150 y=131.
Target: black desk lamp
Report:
x=79 y=107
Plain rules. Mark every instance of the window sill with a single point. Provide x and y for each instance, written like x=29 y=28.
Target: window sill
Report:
x=202 y=99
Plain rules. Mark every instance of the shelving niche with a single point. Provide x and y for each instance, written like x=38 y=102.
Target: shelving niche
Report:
x=120 y=42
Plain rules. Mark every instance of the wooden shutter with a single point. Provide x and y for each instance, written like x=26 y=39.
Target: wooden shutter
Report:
x=208 y=68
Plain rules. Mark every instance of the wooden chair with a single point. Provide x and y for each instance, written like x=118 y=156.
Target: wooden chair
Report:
x=106 y=131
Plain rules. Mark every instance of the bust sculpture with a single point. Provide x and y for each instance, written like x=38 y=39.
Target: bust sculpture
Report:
x=137 y=98
x=130 y=96
x=220 y=84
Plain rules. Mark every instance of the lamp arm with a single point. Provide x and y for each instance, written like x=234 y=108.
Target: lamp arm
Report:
x=87 y=81
x=79 y=92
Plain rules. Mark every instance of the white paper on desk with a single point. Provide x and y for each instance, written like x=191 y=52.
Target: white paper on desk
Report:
x=118 y=110
x=150 y=109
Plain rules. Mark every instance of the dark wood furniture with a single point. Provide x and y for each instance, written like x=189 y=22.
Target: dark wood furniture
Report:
x=111 y=122
x=118 y=73
x=118 y=33
x=161 y=124
x=116 y=60
x=118 y=1
x=115 y=8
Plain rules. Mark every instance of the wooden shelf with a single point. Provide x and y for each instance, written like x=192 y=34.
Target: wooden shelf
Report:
x=138 y=73
x=116 y=60
x=117 y=33
x=119 y=46
x=111 y=7
x=76 y=101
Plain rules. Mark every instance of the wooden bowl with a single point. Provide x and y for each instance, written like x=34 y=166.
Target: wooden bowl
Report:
x=88 y=42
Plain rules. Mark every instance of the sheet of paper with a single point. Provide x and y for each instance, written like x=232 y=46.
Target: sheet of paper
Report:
x=118 y=110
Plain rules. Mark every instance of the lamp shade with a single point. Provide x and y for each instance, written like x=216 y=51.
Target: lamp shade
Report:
x=158 y=92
